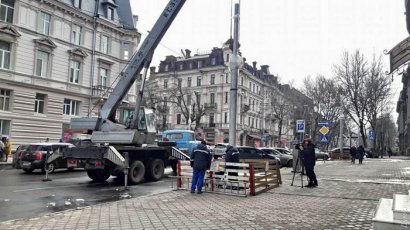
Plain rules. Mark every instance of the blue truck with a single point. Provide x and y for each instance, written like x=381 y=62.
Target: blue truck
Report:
x=184 y=139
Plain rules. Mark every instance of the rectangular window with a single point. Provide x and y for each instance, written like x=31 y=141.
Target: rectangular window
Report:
x=104 y=44
x=212 y=120
x=250 y=85
x=226 y=78
x=227 y=57
x=76 y=34
x=249 y=121
x=5 y=99
x=241 y=81
x=226 y=97
x=179 y=99
x=181 y=66
x=165 y=84
x=188 y=99
x=199 y=64
x=179 y=83
x=39 y=103
x=198 y=81
x=213 y=61
x=4 y=127
x=42 y=64
x=110 y=13
x=4 y=55
x=178 y=119
x=103 y=77
x=190 y=65
x=7 y=10
x=71 y=107
x=226 y=118
x=77 y=4
x=212 y=79
x=212 y=98
x=165 y=101
x=44 y=25
x=126 y=52
x=75 y=72
x=189 y=83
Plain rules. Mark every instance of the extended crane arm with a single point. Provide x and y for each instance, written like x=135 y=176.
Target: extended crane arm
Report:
x=136 y=64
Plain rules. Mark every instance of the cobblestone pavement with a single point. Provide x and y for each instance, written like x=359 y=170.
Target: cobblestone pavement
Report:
x=345 y=199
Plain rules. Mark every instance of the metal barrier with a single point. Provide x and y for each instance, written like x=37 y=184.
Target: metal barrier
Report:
x=239 y=179
x=178 y=154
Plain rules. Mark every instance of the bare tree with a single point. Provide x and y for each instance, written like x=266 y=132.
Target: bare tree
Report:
x=281 y=111
x=351 y=75
x=378 y=91
x=324 y=93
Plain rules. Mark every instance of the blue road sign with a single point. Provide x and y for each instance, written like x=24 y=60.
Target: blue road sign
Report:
x=371 y=135
x=324 y=138
x=324 y=123
x=300 y=126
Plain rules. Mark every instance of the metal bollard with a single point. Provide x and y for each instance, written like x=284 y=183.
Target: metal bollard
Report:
x=126 y=169
x=45 y=167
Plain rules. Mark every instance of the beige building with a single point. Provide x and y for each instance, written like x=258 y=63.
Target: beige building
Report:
x=182 y=83
x=57 y=60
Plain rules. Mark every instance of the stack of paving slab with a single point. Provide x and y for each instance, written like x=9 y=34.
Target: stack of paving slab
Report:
x=392 y=214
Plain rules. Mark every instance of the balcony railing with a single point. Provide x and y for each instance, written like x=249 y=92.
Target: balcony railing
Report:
x=210 y=106
x=101 y=91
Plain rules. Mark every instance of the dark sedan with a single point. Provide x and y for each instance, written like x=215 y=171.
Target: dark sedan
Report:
x=246 y=152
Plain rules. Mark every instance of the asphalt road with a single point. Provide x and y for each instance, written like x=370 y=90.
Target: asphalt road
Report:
x=25 y=195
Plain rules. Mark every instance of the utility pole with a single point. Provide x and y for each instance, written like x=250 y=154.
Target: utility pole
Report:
x=234 y=65
x=342 y=117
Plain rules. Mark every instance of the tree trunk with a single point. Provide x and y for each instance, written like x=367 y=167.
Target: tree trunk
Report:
x=363 y=134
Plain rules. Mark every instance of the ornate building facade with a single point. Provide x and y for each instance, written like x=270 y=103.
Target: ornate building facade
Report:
x=58 y=59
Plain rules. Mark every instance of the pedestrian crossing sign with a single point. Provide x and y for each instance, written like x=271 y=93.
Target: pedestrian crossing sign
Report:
x=324 y=138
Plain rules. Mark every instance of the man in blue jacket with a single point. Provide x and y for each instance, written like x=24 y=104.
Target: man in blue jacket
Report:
x=200 y=161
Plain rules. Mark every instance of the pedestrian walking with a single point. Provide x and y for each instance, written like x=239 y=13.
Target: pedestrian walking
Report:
x=200 y=162
x=307 y=150
x=353 y=152
x=7 y=148
x=360 y=154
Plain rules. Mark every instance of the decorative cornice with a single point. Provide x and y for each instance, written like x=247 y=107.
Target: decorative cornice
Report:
x=106 y=61
x=78 y=52
x=11 y=30
x=46 y=42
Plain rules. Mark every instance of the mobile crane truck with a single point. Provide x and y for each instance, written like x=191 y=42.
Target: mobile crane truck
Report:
x=129 y=149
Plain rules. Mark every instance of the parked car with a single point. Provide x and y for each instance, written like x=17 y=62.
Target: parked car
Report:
x=283 y=150
x=246 y=152
x=16 y=156
x=34 y=157
x=184 y=139
x=321 y=155
x=335 y=153
x=285 y=159
x=370 y=153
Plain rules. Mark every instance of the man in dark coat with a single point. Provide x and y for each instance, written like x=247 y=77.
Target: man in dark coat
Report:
x=309 y=160
x=360 y=154
x=201 y=158
x=232 y=155
x=353 y=152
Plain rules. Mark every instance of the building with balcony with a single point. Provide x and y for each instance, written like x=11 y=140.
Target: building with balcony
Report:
x=193 y=92
x=58 y=60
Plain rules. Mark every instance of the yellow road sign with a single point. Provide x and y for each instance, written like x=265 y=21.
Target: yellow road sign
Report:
x=324 y=130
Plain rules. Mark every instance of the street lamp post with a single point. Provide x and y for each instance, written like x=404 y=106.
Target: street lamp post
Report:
x=342 y=117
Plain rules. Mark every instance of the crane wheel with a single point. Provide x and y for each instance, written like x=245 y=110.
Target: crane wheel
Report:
x=136 y=172
x=155 y=170
x=98 y=175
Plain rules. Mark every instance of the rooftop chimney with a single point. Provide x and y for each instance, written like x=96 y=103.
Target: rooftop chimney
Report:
x=265 y=69
x=152 y=69
x=135 y=18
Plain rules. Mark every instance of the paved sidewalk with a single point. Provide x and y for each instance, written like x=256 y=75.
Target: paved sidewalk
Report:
x=345 y=199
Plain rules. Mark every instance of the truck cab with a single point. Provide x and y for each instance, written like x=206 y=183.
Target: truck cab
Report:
x=184 y=139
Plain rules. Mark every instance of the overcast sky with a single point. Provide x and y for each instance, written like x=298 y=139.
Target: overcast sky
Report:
x=296 y=38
